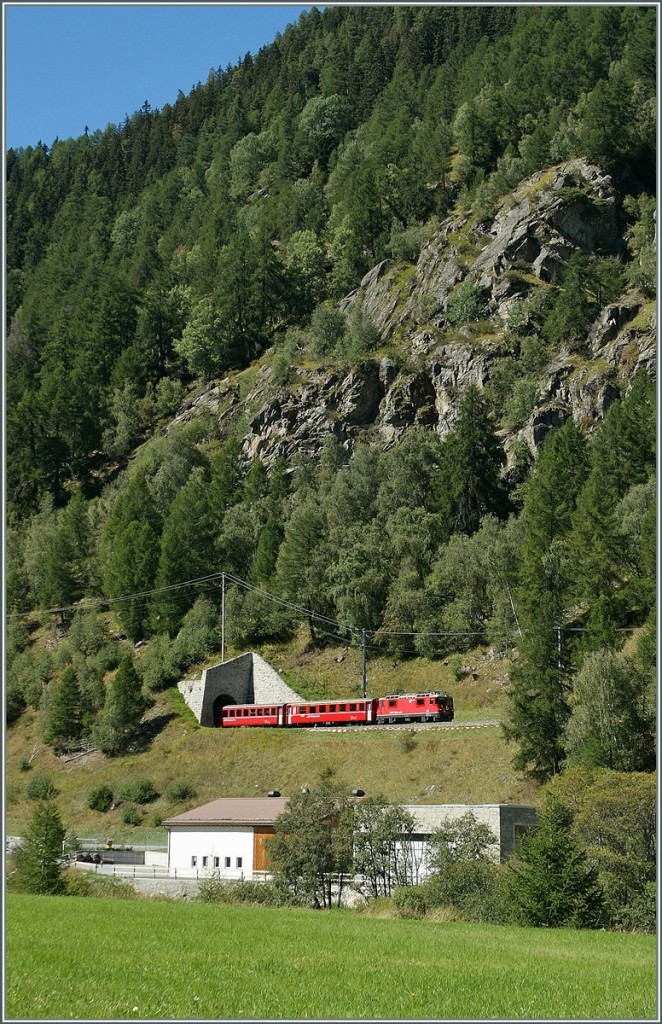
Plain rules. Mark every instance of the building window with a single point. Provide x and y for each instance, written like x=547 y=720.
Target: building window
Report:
x=217 y=862
x=227 y=862
x=204 y=861
x=194 y=862
x=240 y=862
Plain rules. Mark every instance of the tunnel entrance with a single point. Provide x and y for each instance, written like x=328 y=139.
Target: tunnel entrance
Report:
x=217 y=707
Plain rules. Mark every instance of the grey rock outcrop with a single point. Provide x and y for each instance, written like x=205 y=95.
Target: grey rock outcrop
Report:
x=571 y=207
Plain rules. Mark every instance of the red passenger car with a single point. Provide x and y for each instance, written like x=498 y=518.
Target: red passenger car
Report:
x=253 y=714
x=415 y=707
x=333 y=712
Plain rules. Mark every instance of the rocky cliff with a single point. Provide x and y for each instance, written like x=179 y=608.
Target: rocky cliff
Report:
x=428 y=359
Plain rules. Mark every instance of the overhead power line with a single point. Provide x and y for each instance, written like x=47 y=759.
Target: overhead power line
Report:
x=214 y=580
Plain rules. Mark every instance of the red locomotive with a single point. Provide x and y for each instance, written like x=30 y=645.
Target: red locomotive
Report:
x=415 y=707
x=403 y=707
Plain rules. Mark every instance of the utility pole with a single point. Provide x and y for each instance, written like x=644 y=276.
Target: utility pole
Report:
x=363 y=665
x=222 y=617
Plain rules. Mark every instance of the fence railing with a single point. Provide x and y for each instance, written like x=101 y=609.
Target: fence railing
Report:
x=155 y=871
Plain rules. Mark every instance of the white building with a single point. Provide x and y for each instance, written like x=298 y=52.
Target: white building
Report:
x=227 y=836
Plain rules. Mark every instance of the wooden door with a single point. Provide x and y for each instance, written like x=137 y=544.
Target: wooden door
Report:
x=260 y=857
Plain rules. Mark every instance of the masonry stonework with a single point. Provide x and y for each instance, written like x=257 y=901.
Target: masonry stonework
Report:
x=248 y=679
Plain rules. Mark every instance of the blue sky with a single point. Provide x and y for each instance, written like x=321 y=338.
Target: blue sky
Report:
x=71 y=65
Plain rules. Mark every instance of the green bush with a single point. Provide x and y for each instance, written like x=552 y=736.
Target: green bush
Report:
x=40 y=787
x=158 y=666
x=108 y=657
x=139 y=791
x=15 y=705
x=100 y=799
x=412 y=900
x=84 y=883
x=180 y=791
x=216 y=890
x=474 y=889
x=465 y=305
x=132 y=816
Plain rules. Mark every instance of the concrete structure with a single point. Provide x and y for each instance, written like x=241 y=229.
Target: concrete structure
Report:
x=227 y=836
x=248 y=679
x=506 y=821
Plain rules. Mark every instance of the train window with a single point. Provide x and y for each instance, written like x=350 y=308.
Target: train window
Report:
x=352 y=707
x=392 y=703
x=342 y=707
x=420 y=700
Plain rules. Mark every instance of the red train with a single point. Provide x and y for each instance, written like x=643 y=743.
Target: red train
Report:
x=396 y=707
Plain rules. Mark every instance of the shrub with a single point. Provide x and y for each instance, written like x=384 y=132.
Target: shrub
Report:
x=40 y=787
x=180 y=791
x=216 y=890
x=474 y=889
x=407 y=741
x=455 y=665
x=198 y=636
x=327 y=326
x=108 y=657
x=15 y=705
x=140 y=791
x=100 y=799
x=132 y=816
x=83 y=883
x=158 y=667
x=87 y=632
x=412 y=900
x=465 y=305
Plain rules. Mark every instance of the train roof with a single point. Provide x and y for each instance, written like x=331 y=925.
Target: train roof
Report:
x=427 y=693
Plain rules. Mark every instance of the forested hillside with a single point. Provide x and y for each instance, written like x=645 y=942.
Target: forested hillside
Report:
x=360 y=332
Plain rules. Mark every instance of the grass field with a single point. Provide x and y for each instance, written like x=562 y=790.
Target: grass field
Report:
x=69 y=957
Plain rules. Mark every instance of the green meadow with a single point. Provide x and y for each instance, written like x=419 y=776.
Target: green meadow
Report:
x=70 y=957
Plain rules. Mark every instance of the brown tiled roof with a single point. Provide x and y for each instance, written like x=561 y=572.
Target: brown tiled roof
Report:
x=261 y=810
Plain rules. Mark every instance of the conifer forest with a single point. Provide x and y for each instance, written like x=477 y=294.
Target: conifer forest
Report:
x=357 y=337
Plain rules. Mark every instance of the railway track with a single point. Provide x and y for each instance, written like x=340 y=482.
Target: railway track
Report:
x=405 y=726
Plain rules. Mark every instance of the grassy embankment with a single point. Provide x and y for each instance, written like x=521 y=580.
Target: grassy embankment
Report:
x=441 y=766
x=166 y=960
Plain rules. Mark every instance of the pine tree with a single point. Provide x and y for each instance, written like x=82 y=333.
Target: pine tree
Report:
x=187 y=553
x=538 y=705
x=538 y=709
x=469 y=481
x=65 y=716
x=553 y=884
x=595 y=542
x=38 y=866
x=118 y=724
